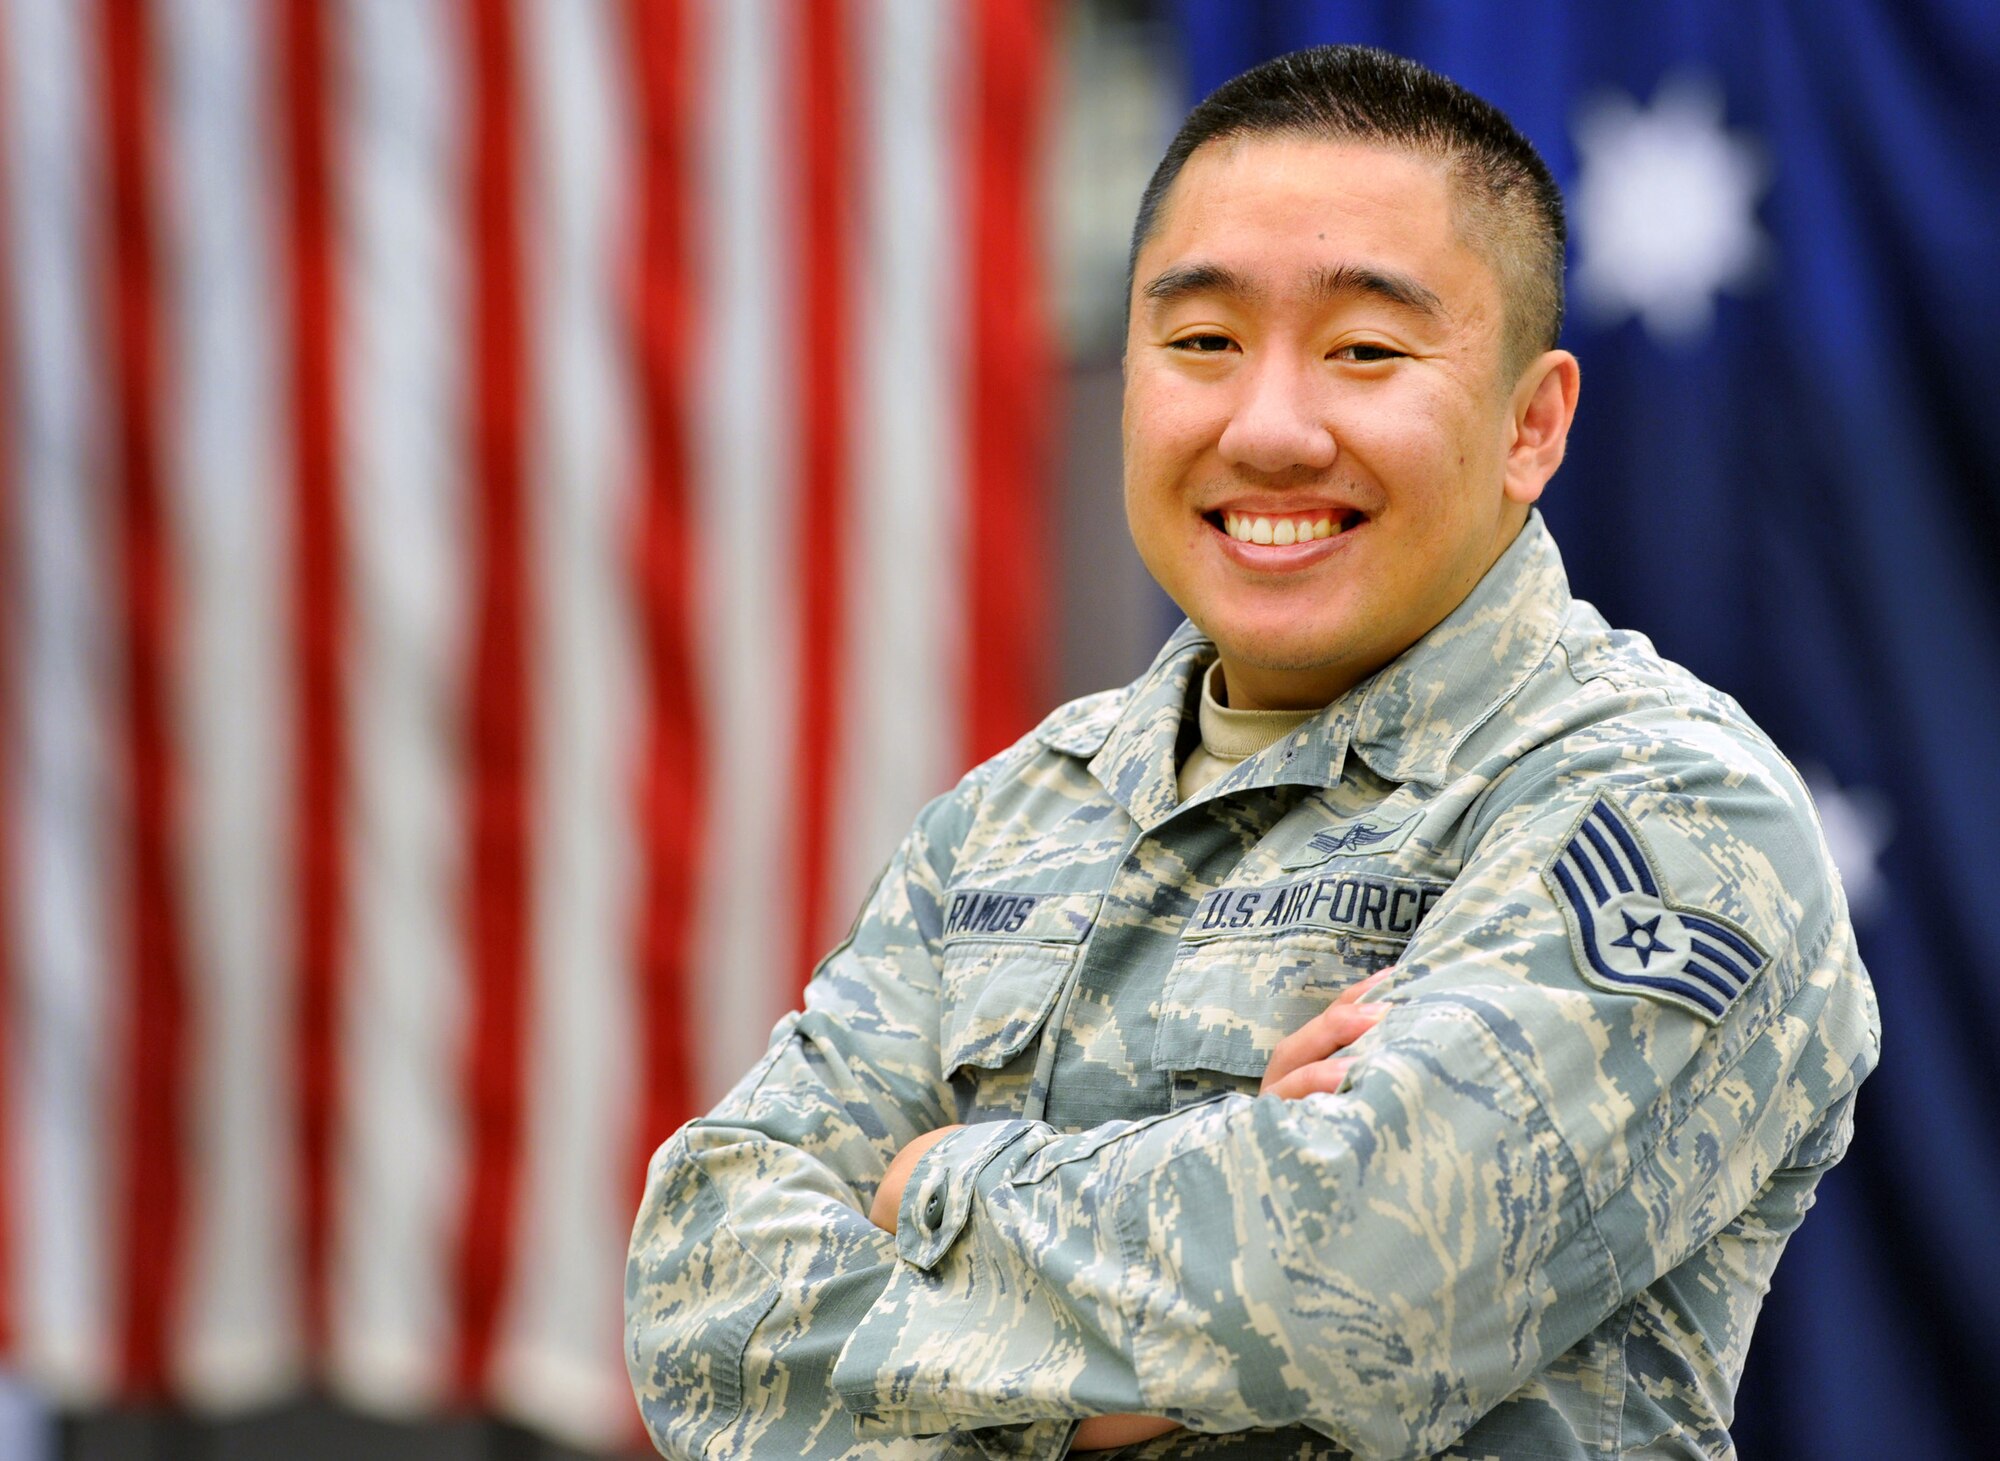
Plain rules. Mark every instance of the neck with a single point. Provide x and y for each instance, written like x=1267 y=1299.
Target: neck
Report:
x=1247 y=687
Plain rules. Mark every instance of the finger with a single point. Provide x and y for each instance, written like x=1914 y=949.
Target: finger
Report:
x=1342 y=1025
x=1339 y=1024
x=1322 y=1076
x=1303 y=1075
x=1333 y=1028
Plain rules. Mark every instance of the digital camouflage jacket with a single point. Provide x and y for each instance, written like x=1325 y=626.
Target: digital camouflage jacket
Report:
x=1626 y=1025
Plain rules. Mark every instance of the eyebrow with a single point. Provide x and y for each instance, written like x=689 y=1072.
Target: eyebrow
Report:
x=1384 y=284
x=1185 y=279
x=1398 y=289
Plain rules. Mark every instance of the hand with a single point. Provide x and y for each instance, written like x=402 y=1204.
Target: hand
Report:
x=1304 y=1061
x=1106 y=1432
x=889 y=1196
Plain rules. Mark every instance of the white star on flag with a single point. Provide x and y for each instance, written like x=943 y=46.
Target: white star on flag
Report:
x=1859 y=823
x=1664 y=208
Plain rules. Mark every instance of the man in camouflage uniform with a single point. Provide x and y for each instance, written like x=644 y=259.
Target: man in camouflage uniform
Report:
x=1144 y=1170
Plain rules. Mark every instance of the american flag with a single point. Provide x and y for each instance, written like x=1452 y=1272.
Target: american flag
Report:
x=507 y=508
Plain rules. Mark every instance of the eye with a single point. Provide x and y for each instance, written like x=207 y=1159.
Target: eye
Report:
x=1367 y=354
x=1202 y=344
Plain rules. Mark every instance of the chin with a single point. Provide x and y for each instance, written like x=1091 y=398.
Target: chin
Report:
x=1288 y=619
x=1283 y=648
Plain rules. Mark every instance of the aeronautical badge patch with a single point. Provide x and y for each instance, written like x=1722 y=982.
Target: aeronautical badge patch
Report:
x=1351 y=840
x=1629 y=938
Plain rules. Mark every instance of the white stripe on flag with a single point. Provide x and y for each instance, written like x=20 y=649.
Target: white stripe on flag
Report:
x=62 y=672
x=237 y=1342
x=750 y=521
x=401 y=1148
x=900 y=729
x=560 y=1364
x=387 y=635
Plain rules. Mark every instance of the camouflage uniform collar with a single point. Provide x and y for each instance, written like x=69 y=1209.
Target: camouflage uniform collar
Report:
x=1404 y=722
x=1418 y=709
x=1081 y=727
x=1133 y=739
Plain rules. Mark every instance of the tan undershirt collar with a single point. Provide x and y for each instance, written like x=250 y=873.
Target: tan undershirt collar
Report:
x=1229 y=736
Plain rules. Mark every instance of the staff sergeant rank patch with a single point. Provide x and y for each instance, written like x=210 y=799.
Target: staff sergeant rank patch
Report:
x=1629 y=939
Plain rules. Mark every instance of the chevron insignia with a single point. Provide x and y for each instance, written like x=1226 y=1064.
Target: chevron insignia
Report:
x=1629 y=939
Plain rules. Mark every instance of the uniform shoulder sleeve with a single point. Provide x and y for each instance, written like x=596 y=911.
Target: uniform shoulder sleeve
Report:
x=1650 y=925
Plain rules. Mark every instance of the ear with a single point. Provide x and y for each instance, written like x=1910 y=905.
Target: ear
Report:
x=1543 y=405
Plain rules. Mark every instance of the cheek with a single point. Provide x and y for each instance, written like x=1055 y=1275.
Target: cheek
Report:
x=1432 y=457
x=1409 y=429
x=1168 y=417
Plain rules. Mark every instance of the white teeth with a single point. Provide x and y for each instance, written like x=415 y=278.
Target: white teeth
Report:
x=1280 y=532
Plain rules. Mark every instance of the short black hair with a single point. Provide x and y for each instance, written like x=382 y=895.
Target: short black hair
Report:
x=1505 y=201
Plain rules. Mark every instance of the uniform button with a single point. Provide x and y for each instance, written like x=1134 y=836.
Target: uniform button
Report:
x=934 y=1210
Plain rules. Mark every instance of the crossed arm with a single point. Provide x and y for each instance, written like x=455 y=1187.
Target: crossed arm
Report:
x=1305 y=1061
x=1509 y=1156
x=756 y=1204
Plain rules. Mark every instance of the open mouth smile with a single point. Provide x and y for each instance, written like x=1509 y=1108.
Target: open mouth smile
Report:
x=1282 y=542
x=1281 y=529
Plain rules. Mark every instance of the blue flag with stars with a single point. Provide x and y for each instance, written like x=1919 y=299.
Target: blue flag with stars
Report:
x=1786 y=471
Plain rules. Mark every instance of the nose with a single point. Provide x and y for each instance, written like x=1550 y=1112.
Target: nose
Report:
x=1275 y=426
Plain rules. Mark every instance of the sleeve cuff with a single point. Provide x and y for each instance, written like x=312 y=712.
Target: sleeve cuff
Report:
x=937 y=1199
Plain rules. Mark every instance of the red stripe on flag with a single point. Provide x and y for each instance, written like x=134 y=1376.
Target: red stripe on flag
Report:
x=9 y=748
x=151 y=1214
x=302 y=64
x=826 y=190
x=670 y=805
x=498 y=743
x=1010 y=377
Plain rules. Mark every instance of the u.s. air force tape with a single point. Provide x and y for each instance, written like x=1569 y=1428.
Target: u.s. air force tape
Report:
x=1629 y=937
x=1381 y=907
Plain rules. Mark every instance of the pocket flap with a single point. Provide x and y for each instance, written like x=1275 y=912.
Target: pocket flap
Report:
x=997 y=994
x=1228 y=1003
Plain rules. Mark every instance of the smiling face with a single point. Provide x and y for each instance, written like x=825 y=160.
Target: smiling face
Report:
x=1322 y=456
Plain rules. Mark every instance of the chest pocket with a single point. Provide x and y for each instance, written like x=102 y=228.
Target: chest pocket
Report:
x=1005 y=960
x=1229 y=1001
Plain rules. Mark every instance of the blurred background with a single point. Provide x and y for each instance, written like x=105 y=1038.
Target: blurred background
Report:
x=507 y=508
